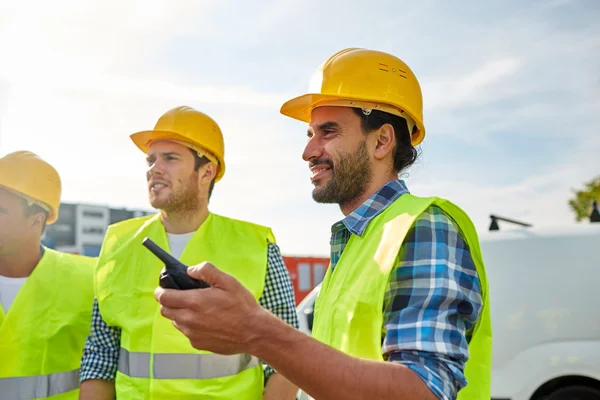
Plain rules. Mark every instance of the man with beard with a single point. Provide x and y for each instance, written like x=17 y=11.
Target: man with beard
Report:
x=403 y=310
x=134 y=352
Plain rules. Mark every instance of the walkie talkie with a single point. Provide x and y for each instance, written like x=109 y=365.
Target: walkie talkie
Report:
x=174 y=274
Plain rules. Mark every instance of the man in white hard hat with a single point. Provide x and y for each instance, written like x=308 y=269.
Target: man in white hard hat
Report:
x=132 y=350
x=403 y=310
x=45 y=295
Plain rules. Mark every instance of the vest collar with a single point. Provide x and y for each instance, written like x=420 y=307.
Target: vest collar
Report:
x=358 y=220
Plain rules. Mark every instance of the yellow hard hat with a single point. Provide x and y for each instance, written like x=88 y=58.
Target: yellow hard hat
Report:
x=190 y=128
x=26 y=174
x=366 y=79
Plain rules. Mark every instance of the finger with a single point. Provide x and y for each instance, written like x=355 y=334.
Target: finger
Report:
x=170 y=313
x=182 y=316
x=178 y=318
x=211 y=275
x=173 y=298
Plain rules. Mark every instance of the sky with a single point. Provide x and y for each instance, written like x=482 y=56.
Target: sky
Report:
x=511 y=98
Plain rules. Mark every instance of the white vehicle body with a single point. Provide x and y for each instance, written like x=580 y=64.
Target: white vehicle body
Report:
x=544 y=290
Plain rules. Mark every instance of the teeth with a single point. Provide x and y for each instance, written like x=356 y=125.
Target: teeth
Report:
x=158 y=186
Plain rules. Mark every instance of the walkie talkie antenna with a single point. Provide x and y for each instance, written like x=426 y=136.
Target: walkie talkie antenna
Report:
x=174 y=275
x=160 y=253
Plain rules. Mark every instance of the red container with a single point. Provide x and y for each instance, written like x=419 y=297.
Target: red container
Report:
x=306 y=273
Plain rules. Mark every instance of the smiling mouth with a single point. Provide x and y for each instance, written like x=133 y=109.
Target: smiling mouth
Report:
x=157 y=187
x=319 y=172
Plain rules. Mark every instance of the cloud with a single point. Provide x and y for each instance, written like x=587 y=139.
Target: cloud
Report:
x=475 y=88
x=517 y=83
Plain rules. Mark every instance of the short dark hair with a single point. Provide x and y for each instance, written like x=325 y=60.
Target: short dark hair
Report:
x=32 y=209
x=200 y=161
x=404 y=154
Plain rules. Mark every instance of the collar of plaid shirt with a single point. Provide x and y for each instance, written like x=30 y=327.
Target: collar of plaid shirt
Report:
x=357 y=221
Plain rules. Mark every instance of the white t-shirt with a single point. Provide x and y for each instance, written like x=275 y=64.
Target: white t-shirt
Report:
x=177 y=243
x=9 y=287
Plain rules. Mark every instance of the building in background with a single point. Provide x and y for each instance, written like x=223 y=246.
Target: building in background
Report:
x=80 y=229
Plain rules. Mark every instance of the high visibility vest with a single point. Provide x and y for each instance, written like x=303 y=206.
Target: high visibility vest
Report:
x=349 y=307
x=156 y=360
x=43 y=334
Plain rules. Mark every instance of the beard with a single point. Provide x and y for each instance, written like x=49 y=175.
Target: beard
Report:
x=184 y=200
x=349 y=178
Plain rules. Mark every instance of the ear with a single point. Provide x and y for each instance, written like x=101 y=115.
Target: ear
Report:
x=38 y=220
x=385 y=140
x=208 y=173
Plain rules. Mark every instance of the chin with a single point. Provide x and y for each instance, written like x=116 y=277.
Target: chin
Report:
x=157 y=203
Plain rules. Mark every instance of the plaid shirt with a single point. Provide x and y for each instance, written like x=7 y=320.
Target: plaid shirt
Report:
x=433 y=298
x=101 y=352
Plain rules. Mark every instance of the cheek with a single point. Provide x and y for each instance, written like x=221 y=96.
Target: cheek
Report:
x=334 y=147
x=10 y=227
x=332 y=152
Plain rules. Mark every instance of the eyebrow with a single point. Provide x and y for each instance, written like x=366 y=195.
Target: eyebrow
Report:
x=170 y=153
x=325 y=125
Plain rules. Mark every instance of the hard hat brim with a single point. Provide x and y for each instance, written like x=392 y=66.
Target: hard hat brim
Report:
x=52 y=212
x=300 y=108
x=143 y=139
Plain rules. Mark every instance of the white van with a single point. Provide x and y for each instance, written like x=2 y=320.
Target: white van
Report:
x=545 y=308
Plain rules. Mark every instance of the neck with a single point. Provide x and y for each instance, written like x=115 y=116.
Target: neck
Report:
x=183 y=222
x=21 y=262
x=376 y=184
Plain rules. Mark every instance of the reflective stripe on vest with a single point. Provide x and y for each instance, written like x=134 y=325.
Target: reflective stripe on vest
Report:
x=183 y=366
x=160 y=362
x=41 y=386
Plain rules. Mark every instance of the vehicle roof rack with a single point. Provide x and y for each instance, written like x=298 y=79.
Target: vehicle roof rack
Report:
x=495 y=227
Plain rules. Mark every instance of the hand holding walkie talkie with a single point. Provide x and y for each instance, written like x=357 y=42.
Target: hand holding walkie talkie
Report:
x=174 y=275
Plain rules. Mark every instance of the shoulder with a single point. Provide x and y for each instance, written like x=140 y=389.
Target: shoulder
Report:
x=131 y=224
x=433 y=226
x=244 y=227
x=240 y=222
x=79 y=268
x=435 y=218
x=70 y=260
x=437 y=237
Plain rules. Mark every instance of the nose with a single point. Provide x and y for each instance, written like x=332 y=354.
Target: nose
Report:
x=155 y=168
x=313 y=149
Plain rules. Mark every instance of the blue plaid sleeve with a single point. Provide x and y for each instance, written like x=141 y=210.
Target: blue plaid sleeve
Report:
x=101 y=352
x=432 y=303
x=278 y=294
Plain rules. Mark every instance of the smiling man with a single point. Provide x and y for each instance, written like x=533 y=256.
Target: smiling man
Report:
x=403 y=311
x=132 y=350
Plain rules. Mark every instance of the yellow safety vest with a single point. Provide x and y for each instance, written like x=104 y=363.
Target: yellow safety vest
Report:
x=349 y=308
x=43 y=334
x=156 y=360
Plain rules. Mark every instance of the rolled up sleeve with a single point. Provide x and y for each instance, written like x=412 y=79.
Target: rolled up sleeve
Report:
x=432 y=303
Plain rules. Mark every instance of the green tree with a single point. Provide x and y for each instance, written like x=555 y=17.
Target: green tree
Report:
x=581 y=203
